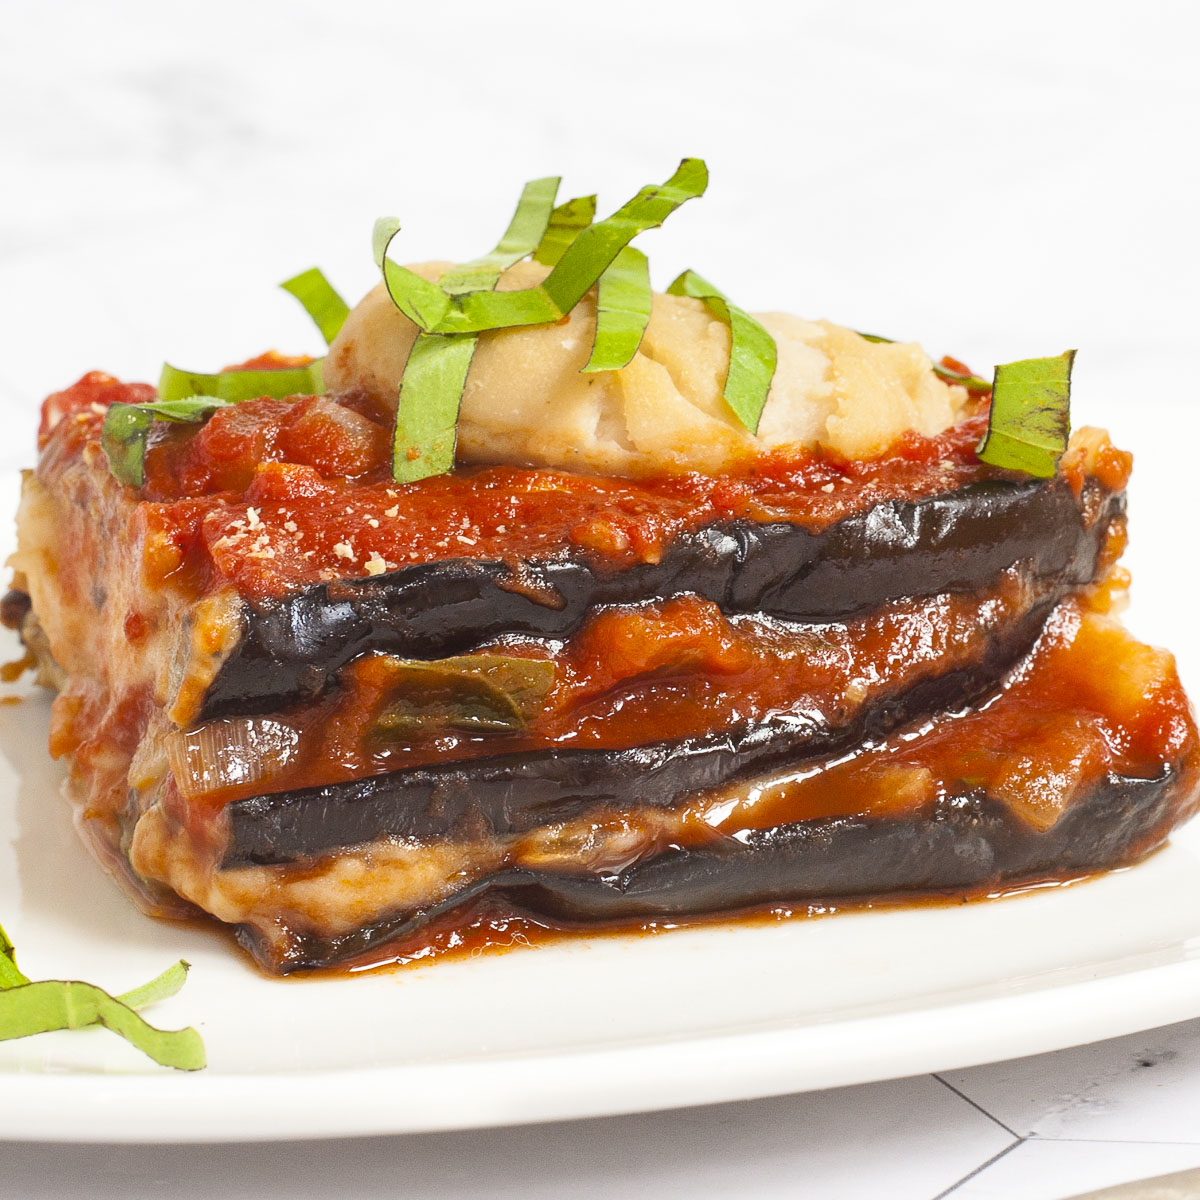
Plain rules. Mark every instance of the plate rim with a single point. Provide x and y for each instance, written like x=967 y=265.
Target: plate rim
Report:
x=686 y=1072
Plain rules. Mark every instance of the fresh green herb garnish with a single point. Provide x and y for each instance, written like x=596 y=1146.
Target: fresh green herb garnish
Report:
x=565 y=223
x=321 y=301
x=190 y=397
x=580 y=253
x=426 y=431
x=522 y=237
x=235 y=386
x=127 y=426
x=28 y=1008
x=1027 y=429
x=10 y=974
x=1030 y=421
x=161 y=987
x=580 y=266
x=973 y=384
x=422 y=302
x=623 y=304
x=752 y=351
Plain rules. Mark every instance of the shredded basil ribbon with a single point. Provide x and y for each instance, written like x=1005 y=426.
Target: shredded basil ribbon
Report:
x=482 y=693
x=623 y=297
x=425 y=435
x=565 y=223
x=1029 y=423
x=972 y=383
x=1030 y=420
x=189 y=396
x=10 y=974
x=752 y=351
x=522 y=237
x=581 y=264
x=623 y=304
x=235 y=386
x=321 y=301
x=127 y=426
x=462 y=304
x=28 y=1008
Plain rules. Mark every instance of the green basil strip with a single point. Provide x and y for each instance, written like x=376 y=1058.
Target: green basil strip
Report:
x=127 y=426
x=426 y=430
x=235 y=386
x=1030 y=420
x=422 y=302
x=33 y=1008
x=161 y=987
x=28 y=1008
x=485 y=693
x=623 y=304
x=10 y=974
x=565 y=223
x=520 y=240
x=752 y=351
x=582 y=264
x=972 y=383
x=321 y=301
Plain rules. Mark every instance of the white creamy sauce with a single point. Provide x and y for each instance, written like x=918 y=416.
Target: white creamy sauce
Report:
x=527 y=402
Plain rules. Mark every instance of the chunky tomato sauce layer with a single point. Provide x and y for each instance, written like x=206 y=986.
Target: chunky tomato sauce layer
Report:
x=1089 y=702
x=656 y=672
x=272 y=495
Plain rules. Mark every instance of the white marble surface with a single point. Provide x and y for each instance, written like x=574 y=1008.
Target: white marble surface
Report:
x=1000 y=180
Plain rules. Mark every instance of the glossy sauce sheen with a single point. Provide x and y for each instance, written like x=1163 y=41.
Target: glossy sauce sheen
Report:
x=491 y=927
x=656 y=672
x=1091 y=702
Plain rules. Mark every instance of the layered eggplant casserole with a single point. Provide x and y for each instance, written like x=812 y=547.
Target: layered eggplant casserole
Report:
x=628 y=657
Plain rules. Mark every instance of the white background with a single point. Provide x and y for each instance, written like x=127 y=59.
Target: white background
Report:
x=998 y=181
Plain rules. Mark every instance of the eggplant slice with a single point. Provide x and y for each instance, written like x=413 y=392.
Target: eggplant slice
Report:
x=967 y=843
x=512 y=793
x=291 y=648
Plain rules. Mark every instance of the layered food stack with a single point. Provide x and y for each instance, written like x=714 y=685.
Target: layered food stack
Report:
x=623 y=609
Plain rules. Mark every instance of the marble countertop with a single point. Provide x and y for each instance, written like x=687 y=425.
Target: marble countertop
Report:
x=1001 y=180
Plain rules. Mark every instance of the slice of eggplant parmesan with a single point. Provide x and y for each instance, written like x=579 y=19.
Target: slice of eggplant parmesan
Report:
x=967 y=843
x=292 y=647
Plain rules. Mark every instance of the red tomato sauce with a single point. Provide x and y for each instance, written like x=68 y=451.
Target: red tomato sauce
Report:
x=271 y=495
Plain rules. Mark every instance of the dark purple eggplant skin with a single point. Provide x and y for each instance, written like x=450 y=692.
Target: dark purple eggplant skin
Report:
x=966 y=844
x=292 y=648
x=512 y=793
x=967 y=841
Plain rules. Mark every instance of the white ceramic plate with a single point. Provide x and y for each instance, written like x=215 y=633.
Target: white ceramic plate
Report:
x=592 y=1027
